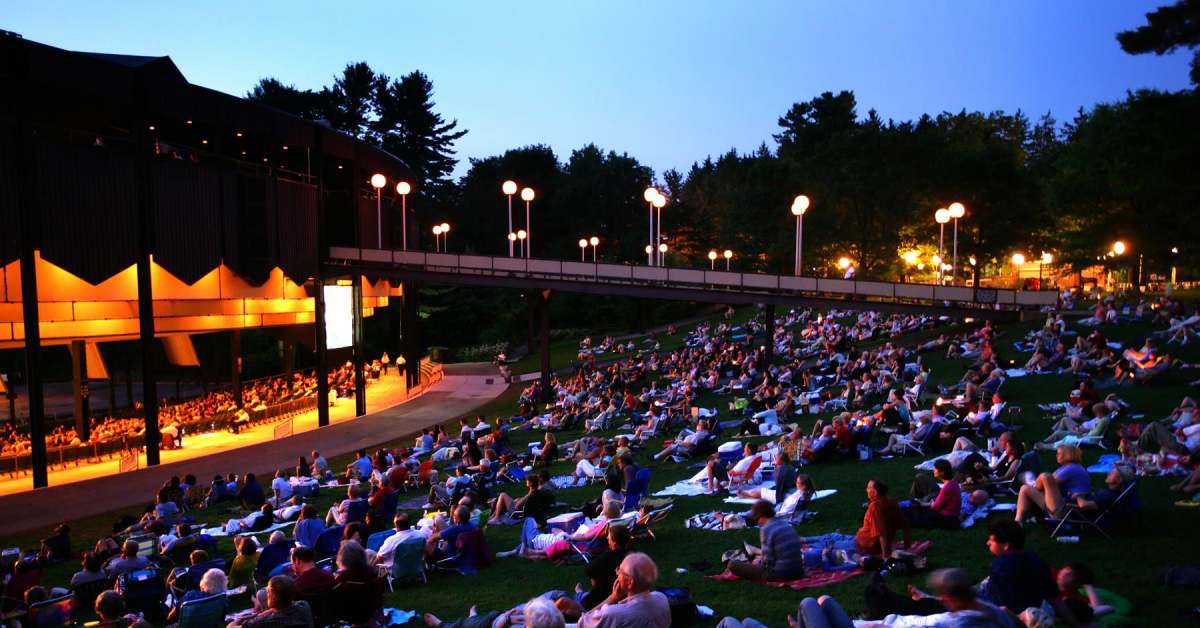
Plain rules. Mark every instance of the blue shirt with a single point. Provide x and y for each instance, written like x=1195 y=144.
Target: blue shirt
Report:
x=1074 y=480
x=1020 y=580
x=363 y=467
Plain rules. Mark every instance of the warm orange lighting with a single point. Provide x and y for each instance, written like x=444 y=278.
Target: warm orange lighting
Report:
x=527 y=194
x=712 y=255
x=1018 y=259
x=594 y=241
x=728 y=254
x=800 y=205
x=378 y=181
x=957 y=210
x=942 y=216
x=509 y=187
x=843 y=263
x=649 y=195
x=403 y=188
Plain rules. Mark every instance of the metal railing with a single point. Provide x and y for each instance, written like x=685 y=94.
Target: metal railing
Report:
x=625 y=274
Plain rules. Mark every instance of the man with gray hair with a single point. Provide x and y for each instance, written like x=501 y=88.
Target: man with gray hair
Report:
x=633 y=603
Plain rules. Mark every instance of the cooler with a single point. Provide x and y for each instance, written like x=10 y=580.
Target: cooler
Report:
x=730 y=452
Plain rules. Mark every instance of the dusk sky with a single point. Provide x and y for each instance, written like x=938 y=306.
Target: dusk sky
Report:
x=667 y=82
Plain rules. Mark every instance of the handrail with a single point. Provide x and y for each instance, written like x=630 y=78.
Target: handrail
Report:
x=463 y=264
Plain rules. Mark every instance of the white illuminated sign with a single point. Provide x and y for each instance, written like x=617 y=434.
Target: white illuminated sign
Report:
x=339 y=316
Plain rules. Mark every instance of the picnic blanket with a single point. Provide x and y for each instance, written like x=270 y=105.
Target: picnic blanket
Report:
x=715 y=521
x=683 y=488
x=811 y=579
x=750 y=500
x=1105 y=464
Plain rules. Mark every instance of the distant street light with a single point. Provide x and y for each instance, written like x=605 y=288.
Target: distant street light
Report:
x=445 y=237
x=527 y=196
x=522 y=235
x=509 y=188
x=728 y=256
x=1118 y=247
x=377 y=182
x=403 y=189
x=594 y=241
x=956 y=211
x=662 y=252
x=712 y=260
x=650 y=195
x=799 y=206
x=1046 y=259
x=583 y=244
x=910 y=257
x=941 y=216
x=1018 y=259
x=843 y=263
x=659 y=202
x=437 y=242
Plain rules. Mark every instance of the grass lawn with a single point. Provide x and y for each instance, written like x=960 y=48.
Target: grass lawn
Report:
x=1128 y=565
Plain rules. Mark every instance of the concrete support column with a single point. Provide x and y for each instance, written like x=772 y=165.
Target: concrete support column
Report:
x=235 y=365
x=79 y=386
x=360 y=376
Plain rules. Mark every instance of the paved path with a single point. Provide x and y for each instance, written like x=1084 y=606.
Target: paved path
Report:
x=456 y=394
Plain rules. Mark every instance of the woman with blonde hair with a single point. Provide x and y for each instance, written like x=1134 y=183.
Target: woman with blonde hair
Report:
x=1052 y=491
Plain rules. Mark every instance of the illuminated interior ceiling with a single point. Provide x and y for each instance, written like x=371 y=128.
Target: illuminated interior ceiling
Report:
x=71 y=308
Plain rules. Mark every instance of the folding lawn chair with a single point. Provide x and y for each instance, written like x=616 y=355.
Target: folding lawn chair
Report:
x=1084 y=519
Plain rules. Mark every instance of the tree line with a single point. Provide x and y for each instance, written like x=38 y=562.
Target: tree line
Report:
x=1124 y=170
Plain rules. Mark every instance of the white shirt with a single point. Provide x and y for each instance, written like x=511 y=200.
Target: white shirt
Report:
x=389 y=544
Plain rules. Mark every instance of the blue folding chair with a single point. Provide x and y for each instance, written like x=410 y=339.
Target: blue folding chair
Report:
x=375 y=541
x=329 y=542
x=205 y=612
x=272 y=556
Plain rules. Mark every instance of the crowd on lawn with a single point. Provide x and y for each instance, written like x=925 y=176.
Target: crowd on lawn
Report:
x=194 y=415
x=335 y=566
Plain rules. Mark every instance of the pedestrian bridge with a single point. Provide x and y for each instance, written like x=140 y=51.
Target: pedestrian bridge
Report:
x=690 y=284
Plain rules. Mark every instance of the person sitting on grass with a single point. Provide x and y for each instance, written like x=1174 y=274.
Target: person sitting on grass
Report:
x=241 y=572
x=784 y=481
x=1051 y=492
x=283 y=609
x=339 y=513
x=1068 y=431
x=683 y=446
x=633 y=602
x=539 y=612
x=882 y=522
x=213 y=582
x=557 y=544
x=602 y=570
x=953 y=603
x=534 y=503
x=944 y=510
x=780 y=556
x=1018 y=579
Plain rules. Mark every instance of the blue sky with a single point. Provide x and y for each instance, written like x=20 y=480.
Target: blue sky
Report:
x=669 y=82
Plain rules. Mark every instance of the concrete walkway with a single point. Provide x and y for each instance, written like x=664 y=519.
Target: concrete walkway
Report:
x=457 y=394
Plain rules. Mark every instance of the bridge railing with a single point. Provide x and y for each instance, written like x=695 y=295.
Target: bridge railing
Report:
x=698 y=278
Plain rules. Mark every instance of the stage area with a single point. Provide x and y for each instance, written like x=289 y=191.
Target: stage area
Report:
x=97 y=488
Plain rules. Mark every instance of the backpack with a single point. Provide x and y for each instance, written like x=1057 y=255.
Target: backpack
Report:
x=683 y=607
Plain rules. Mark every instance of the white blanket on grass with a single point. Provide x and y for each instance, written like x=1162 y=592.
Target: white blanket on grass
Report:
x=750 y=500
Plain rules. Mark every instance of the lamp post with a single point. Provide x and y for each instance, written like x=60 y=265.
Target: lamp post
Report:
x=1018 y=260
x=377 y=182
x=728 y=256
x=1174 y=256
x=522 y=235
x=941 y=216
x=445 y=237
x=650 y=195
x=1046 y=259
x=799 y=206
x=659 y=203
x=403 y=189
x=437 y=235
x=527 y=196
x=712 y=260
x=594 y=241
x=662 y=253
x=583 y=244
x=956 y=211
x=1118 y=249
x=509 y=188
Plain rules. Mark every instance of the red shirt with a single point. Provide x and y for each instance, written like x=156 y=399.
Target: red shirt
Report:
x=949 y=500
